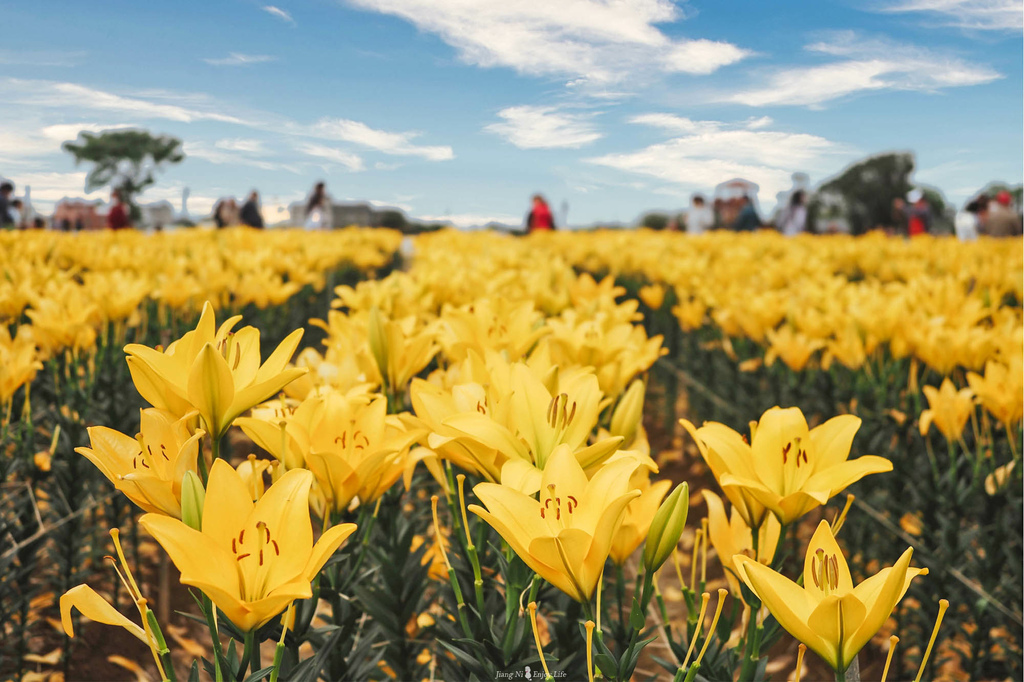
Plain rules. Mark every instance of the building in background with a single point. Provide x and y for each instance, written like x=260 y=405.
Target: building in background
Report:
x=342 y=214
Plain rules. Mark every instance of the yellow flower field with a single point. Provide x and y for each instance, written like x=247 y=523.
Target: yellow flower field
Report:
x=445 y=466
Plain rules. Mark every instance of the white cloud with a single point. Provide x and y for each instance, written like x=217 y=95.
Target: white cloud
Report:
x=74 y=97
x=240 y=59
x=707 y=153
x=984 y=15
x=702 y=56
x=399 y=144
x=19 y=142
x=234 y=152
x=867 y=65
x=674 y=123
x=279 y=13
x=53 y=186
x=594 y=42
x=351 y=161
x=241 y=144
x=536 y=127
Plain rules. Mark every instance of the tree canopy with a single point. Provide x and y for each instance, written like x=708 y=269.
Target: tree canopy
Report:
x=125 y=160
x=868 y=188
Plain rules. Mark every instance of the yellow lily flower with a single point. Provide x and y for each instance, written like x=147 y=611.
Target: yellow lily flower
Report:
x=147 y=468
x=792 y=347
x=731 y=536
x=214 y=371
x=567 y=536
x=357 y=451
x=94 y=607
x=727 y=452
x=787 y=468
x=690 y=313
x=399 y=348
x=491 y=324
x=284 y=429
x=948 y=409
x=1001 y=390
x=827 y=613
x=528 y=439
x=653 y=295
x=999 y=478
x=636 y=522
x=251 y=559
x=434 y=404
x=19 y=363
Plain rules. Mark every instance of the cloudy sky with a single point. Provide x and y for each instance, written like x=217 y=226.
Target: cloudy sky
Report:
x=460 y=109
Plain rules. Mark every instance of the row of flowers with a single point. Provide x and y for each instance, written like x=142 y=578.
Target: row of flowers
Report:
x=544 y=408
x=64 y=292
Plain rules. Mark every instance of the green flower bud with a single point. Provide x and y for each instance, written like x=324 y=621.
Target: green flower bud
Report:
x=628 y=413
x=666 y=527
x=193 y=497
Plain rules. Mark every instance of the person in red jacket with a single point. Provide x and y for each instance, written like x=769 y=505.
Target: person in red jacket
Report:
x=117 y=217
x=540 y=217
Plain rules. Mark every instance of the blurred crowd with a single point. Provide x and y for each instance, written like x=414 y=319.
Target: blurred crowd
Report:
x=911 y=216
x=983 y=215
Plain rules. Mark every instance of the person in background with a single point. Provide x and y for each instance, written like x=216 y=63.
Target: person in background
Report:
x=318 y=209
x=117 y=216
x=540 y=218
x=968 y=221
x=793 y=220
x=919 y=219
x=747 y=219
x=700 y=218
x=17 y=213
x=39 y=223
x=1002 y=220
x=898 y=217
x=6 y=190
x=250 y=214
x=225 y=213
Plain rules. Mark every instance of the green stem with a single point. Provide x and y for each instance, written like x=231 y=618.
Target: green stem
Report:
x=162 y=649
x=254 y=654
x=620 y=593
x=750 y=647
x=278 y=657
x=244 y=664
x=478 y=580
x=462 y=604
x=363 y=545
x=211 y=622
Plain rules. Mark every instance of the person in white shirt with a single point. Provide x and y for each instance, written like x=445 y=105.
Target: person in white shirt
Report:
x=969 y=218
x=318 y=209
x=793 y=220
x=700 y=217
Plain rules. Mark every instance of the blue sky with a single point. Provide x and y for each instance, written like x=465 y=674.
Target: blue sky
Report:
x=460 y=109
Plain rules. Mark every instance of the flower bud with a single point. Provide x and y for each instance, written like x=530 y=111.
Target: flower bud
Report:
x=193 y=497
x=628 y=413
x=666 y=527
x=377 y=338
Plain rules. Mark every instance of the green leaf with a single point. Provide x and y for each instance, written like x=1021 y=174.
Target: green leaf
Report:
x=636 y=616
x=606 y=664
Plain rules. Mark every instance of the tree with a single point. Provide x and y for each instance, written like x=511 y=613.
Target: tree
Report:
x=866 y=191
x=391 y=219
x=655 y=221
x=126 y=160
